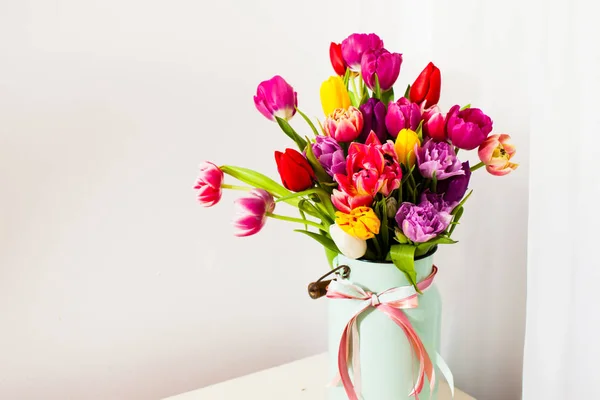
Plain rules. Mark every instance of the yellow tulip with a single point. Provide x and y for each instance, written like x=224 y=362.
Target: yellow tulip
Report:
x=405 y=147
x=334 y=95
x=362 y=222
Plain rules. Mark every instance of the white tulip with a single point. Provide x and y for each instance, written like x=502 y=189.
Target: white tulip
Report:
x=350 y=246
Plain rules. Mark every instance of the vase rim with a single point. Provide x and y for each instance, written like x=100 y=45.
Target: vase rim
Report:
x=421 y=257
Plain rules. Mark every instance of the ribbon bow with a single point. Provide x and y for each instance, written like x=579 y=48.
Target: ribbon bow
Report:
x=391 y=302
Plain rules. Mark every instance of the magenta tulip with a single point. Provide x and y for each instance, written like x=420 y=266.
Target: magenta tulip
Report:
x=467 y=128
x=252 y=212
x=402 y=115
x=357 y=44
x=383 y=63
x=208 y=184
x=276 y=98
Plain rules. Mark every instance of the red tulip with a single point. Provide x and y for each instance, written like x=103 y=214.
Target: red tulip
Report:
x=337 y=61
x=295 y=171
x=427 y=86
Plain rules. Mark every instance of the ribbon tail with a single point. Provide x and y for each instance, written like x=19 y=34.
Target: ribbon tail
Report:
x=445 y=370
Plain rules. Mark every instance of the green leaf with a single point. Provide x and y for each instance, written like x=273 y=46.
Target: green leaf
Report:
x=308 y=121
x=407 y=92
x=436 y=241
x=321 y=126
x=324 y=240
x=320 y=172
x=388 y=96
x=465 y=107
x=457 y=214
x=364 y=98
x=403 y=257
x=297 y=194
x=256 y=179
x=302 y=214
x=462 y=203
x=385 y=233
x=419 y=131
x=331 y=255
x=400 y=237
x=288 y=130
x=353 y=99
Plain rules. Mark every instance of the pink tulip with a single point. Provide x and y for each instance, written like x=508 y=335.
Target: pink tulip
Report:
x=276 y=98
x=435 y=124
x=357 y=44
x=208 y=184
x=344 y=125
x=346 y=203
x=495 y=152
x=252 y=212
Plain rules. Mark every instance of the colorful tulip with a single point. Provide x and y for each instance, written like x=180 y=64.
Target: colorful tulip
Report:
x=362 y=222
x=406 y=146
x=344 y=125
x=348 y=245
x=355 y=45
x=373 y=112
x=402 y=115
x=334 y=95
x=382 y=63
x=371 y=168
x=276 y=98
x=346 y=203
x=454 y=188
x=295 y=171
x=208 y=184
x=467 y=128
x=434 y=125
x=427 y=86
x=252 y=212
x=329 y=154
x=337 y=61
x=495 y=152
x=421 y=223
x=439 y=159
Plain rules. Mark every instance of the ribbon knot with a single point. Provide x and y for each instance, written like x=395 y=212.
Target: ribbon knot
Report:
x=391 y=302
x=374 y=300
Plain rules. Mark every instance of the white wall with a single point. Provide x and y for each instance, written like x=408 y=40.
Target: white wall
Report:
x=112 y=279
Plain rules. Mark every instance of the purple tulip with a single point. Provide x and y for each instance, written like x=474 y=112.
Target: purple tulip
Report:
x=276 y=98
x=438 y=201
x=330 y=155
x=355 y=45
x=373 y=112
x=422 y=222
x=383 y=63
x=401 y=115
x=468 y=128
x=252 y=212
x=438 y=158
x=455 y=188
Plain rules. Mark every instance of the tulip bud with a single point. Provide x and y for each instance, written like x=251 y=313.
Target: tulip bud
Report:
x=295 y=171
x=402 y=115
x=435 y=124
x=252 y=212
x=337 y=61
x=344 y=125
x=427 y=86
x=208 y=184
x=348 y=245
x=334 y=95
x=383 y=63
x=406 y=146
x=276 y=98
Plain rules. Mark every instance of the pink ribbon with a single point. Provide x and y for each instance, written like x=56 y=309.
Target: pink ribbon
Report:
x=391 y=302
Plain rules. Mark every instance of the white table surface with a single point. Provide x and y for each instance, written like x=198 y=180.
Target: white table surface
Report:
x=300 y=380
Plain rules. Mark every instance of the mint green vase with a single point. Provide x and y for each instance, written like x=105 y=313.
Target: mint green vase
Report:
x=387 y=366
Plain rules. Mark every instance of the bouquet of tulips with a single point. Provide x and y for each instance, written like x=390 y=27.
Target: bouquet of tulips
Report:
x=378 y=178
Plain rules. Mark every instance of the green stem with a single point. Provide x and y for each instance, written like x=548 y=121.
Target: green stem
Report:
x=377 y=247
x=297 y=220
x=477 y=166
x=235 y=187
